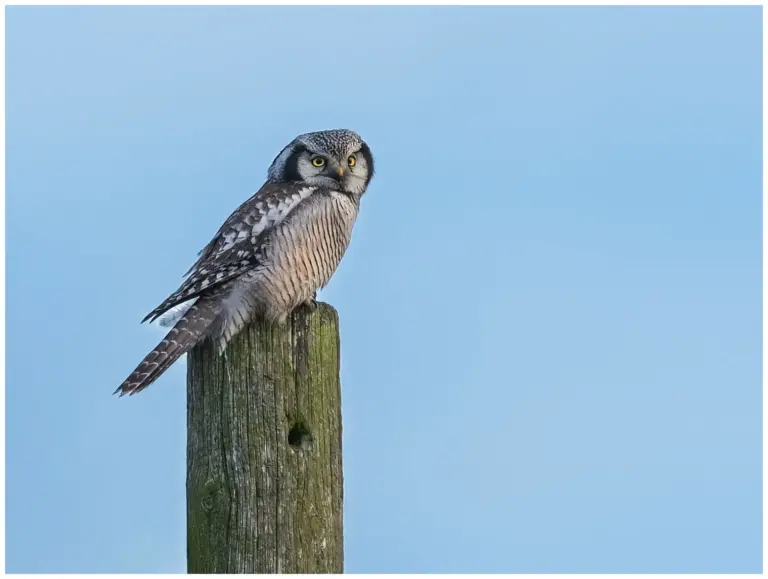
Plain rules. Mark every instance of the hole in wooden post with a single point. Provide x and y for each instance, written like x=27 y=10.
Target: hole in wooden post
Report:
x=299 y=437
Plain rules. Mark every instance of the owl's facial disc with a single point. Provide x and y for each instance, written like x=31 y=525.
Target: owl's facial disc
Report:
x=342 y=172
x=335 y=159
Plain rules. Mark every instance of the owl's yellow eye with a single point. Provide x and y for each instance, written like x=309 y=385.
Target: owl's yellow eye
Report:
x=318 y=162
x=352 y=160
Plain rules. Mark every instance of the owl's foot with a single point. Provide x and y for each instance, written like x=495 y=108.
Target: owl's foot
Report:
x=312 y=302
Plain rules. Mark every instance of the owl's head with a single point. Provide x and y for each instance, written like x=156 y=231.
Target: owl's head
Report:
x=336 y=159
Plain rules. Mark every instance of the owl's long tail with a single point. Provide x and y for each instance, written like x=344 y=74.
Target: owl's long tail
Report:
x=190 y=328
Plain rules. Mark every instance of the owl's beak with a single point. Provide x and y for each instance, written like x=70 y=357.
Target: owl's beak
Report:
x=341 y=172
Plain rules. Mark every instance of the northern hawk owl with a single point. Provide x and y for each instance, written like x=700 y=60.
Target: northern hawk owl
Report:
x=273 y=253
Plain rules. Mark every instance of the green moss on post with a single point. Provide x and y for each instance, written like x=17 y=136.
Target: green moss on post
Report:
x=264 y=479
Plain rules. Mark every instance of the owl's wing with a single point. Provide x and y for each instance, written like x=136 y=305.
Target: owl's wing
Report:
x=238 y=245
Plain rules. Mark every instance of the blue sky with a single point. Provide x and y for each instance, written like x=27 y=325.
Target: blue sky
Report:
x=550 y=310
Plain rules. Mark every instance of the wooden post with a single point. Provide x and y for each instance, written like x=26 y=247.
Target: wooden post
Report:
x=264 y=479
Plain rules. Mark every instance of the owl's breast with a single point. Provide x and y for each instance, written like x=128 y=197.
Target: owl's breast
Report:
x=305 y=250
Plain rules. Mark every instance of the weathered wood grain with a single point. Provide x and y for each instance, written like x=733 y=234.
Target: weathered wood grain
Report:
x=264 y=472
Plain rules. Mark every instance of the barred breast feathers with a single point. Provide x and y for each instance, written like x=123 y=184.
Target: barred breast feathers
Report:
x=300 y=256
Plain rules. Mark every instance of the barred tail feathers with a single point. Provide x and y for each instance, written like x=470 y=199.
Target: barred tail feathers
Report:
x=180 y=339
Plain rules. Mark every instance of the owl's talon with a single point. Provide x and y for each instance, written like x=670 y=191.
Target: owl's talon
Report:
x=312 y=302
